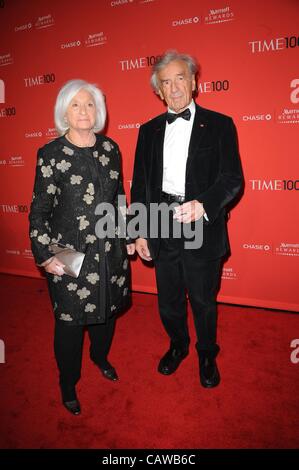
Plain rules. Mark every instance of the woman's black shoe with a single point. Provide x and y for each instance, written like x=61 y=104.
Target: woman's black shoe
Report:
x=109 y=374
x=73 y=407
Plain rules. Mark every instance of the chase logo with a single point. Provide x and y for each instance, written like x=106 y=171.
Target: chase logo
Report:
x=186 y=21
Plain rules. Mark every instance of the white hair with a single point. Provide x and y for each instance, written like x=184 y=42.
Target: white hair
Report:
x=65 y=96
x=165 y=59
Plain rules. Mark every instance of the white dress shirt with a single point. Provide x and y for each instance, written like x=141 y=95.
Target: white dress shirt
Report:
x=175 y=153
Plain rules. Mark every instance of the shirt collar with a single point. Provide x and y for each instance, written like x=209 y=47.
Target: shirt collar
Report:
x=191 y=106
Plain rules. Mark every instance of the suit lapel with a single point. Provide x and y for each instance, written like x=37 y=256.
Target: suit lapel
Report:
x=198 y=131
x=158 y=147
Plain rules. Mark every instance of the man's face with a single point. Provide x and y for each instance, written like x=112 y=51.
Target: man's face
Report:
x=176 y=85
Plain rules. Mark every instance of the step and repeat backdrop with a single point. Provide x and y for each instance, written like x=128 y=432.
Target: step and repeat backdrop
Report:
x=249 y=58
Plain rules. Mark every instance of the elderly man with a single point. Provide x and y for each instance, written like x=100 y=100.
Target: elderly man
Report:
x=189 y=156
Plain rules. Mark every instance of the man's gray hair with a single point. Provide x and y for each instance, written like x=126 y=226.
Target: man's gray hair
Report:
x=65 y=96
x=168 y=57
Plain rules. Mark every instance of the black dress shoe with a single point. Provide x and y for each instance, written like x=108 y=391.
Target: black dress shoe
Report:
x=109 y=373
x=171 y=360
x=208 y=372
x=73 y=407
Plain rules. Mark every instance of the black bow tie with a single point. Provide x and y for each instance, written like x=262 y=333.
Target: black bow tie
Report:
x=171 y=117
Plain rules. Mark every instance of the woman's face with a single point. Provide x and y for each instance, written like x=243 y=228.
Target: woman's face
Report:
x=81 y=112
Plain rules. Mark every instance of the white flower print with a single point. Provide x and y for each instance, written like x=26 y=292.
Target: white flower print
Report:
x=107 y=146
x=55 y=202
x=112 y=308
x=76 y=179
x=97 y=257
x=88 y=198
x=58 y=191
x=107 y=246
x=44 y=239
x=63 y=166
x=52 y=161
x=46 y=171
x=56 y=240
x=90 y=238
x=69 y=246
x=104 y=160
x=67 y=150
x=93 y=278
x=55 y=306
x=90 y=307
x=113 y=279
x=83 y=223
x=83 y=293
x=33 y=196
x=90 y=188
x=120 y=281
x=56 y=278
x=33 y=233
x=65 y=317
x=125 y=264
x=125 y=292
x=40 y=162
x=72 y=286
x=113 y=174
x=95 y=154
x=51 y=189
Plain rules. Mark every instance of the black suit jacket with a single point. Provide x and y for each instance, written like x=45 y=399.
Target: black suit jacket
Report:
x=213 y=174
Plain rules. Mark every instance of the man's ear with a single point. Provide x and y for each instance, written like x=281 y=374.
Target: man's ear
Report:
x=159 y=92
x=193 y=83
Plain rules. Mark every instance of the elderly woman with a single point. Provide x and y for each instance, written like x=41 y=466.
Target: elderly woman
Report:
x=74 y=173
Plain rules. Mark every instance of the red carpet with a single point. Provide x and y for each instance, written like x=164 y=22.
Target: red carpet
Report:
x=255 y=406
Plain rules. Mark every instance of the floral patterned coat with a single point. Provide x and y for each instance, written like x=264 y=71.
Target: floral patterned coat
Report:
x=70 y=181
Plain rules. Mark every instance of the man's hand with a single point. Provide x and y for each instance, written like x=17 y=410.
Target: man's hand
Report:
x=142 y=249
x=131 y=248
x=189 y=212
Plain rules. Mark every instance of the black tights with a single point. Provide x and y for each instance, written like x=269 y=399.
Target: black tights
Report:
x=68 y=345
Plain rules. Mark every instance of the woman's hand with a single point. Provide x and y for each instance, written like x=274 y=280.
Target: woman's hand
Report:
x=131 y=248
x=55 y=267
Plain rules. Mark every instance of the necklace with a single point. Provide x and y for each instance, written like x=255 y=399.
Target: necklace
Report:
x=81 y=145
